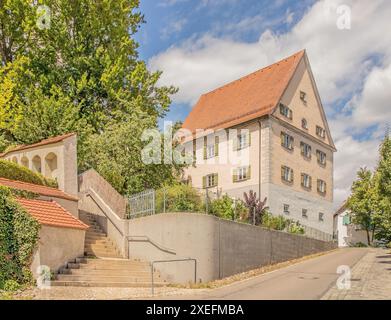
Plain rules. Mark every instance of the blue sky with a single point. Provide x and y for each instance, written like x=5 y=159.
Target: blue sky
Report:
x=169 y=22
x=200 y=45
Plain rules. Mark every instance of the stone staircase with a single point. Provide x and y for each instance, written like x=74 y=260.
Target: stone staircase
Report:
x=97 y=244
x=103 y=265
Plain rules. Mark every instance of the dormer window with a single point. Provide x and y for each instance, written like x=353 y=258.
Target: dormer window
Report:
x=320 y=132
x=285 y=111
x=303 y=96
x=304 y=124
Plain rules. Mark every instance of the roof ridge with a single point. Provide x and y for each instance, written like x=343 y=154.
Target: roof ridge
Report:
x=31 y=184
x=39 y=143
x=254 y=73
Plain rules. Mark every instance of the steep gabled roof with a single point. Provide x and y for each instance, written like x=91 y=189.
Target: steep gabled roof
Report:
x=38 y=144
x=36 y=188
x=51 y=213
x=247 y=98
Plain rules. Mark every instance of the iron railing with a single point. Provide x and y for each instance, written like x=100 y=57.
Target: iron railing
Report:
x=142 y=204
x=168 y=261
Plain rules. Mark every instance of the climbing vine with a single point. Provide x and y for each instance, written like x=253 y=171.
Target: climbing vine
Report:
x=19 y=234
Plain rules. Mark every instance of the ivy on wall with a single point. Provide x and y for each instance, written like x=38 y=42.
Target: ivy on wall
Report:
x=13 y=171
x=19 y=234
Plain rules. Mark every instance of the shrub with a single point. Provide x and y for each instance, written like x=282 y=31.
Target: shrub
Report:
x=178 y=197
x=274 y=222
x=295 y=228
x=11 y=285
x=18 y=239
x=13 y=171
x=225 y=208
x=281 y=223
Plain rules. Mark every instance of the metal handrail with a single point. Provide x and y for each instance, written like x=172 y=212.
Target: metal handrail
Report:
x=148 y=239
x=175 y=260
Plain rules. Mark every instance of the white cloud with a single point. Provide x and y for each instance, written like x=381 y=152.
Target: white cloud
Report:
x=173 y=27
x=342 y=62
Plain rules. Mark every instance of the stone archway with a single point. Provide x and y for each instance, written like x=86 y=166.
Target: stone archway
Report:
x=51 y=165
x=25 y=162
x=14 y=159
x=37 y=164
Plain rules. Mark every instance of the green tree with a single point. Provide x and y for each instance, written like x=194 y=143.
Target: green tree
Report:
x=363 y=202
x=383 y=187
x=80 y=72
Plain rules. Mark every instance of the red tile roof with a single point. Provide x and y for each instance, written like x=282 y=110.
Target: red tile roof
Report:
x=51 y=213
x=42 y=190
x=38 y=144
x=250 y=97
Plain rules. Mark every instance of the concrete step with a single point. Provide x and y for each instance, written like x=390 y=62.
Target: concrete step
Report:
x=102 y=272
x=108 y=267
x=107 y=278
x=120 y=262
x=107 y=284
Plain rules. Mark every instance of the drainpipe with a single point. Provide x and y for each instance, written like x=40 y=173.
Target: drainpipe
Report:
x=260 y=155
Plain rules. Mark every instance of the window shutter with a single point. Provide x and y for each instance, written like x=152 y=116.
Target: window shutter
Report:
x=282 y=172
x=235 y=143
x=292 y=177
x=216 y=179
x=302 y=179
x=235 y=175
x=310 y=186
x=291 y=141
x=282 y=139
x=204 y=182
x=302 y=148
x=216 y=146
x=249 y=172
x=249 y=138
x=205 y=142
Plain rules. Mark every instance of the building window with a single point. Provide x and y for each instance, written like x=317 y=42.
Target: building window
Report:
x=304 y=213
x=285 y=111
x=320 y=132
x=211 y=150
x=321 y=156
x=241 y=174
x=346 y=220
x=305 y=150
x=209 y=181
x=321 y=215
x=286 y=208
x=304 y=124
x=286 y=174
x=321 y=186
x=243 y=141
x=287 y=141
x=306 y=181
x=303 y=96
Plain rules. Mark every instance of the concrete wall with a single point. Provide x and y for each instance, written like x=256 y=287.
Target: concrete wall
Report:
x=221 y=247
x=98 y=197
x=57 y=246
x=91 y=179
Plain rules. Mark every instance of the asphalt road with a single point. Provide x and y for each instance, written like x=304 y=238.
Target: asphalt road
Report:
x=307 y=280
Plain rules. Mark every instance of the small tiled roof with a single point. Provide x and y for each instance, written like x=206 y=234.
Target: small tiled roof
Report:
x=38 y=144
x=248 y=98
x=51 y=213
x=42 y=190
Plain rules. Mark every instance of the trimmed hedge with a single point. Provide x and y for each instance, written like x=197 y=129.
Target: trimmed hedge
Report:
x=13 y=171
x=19 y=234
